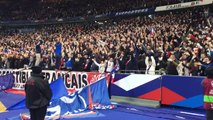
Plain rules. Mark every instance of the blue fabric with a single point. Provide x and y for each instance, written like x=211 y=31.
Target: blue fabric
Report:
x=191 y=89
x=12 y=114
x=58 y=48
x=6 y=82
x=193 y=102
x=19 y=105
x=99 y=92
x=58 y=88
x=128 y=112
x=69 y=63
x=79 y=101
x=10 y=99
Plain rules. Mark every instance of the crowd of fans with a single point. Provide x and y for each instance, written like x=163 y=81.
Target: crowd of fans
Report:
x=177 y=43
x=33 y=10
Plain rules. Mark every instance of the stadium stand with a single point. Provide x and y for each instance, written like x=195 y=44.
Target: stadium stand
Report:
x=37 y=10
x=180 y=42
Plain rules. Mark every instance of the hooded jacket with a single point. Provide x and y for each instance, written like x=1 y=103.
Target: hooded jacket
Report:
x=38 y=92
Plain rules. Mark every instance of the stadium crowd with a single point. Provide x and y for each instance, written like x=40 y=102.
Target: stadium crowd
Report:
x=177 y=42
x=62 y=9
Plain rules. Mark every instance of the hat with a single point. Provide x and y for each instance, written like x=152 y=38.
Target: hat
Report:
x=209 y=71
x=36 y=70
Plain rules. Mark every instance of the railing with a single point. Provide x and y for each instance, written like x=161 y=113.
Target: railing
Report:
x=157 y=72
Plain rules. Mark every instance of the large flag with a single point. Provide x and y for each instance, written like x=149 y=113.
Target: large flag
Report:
x=77 y=104
x=9 y=99
x=58 y=89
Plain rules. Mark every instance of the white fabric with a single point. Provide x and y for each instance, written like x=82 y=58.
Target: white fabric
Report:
x=150 y=70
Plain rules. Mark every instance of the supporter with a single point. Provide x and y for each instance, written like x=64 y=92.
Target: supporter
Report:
x=78 y=63
x=150 y=65
x=26 y=61
x=101 y=66
x=161 y=63
x=58 y=52
x=172 y=65
x=110 y=65
x=170 y=37
x=122 y=60
x=131 y=63
x=38 y=53
x=69 y=62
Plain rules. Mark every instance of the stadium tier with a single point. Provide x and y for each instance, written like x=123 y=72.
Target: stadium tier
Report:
x=177 y=42
x=100 y=56
x=45 y=9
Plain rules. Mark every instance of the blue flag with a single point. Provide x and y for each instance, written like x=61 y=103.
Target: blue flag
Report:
x=58 y=89
x=6 y=82
x=78 y=103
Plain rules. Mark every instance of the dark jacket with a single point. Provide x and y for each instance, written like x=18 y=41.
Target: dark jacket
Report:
x=38 y=92
x=171 y=68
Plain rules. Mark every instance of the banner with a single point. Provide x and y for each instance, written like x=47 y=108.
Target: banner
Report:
x=138 y=86
x=170 y=90
x=72 y=80
x=183 y=5
x=133 y=12
x=182 y=91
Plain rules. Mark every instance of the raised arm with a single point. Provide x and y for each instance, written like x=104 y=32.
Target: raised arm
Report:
x=96 y=62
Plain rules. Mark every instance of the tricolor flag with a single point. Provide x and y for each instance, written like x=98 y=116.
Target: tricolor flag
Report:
x=152 y=31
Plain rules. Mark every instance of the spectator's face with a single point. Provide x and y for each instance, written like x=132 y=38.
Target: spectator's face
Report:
x=172 y=57
x=195 y=50
x=203 y=56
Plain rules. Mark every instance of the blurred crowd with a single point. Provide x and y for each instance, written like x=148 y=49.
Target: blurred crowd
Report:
x=176 y=43
x=33 y=10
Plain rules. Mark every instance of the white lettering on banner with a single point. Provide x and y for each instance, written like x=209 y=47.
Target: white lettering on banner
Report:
x=183 y=5
x=132 y=12
x=72 y=80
